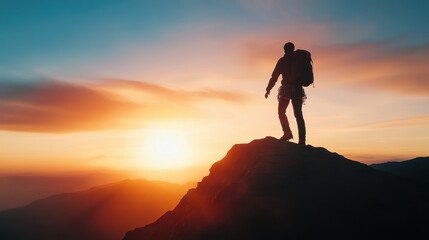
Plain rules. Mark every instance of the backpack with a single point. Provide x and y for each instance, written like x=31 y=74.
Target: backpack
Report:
x=302 y=68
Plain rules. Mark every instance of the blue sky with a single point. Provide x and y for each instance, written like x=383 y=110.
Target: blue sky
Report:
x=72 y=31
x=61 y=30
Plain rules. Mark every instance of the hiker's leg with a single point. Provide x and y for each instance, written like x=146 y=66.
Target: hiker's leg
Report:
x=297 y=110
x=283 y=103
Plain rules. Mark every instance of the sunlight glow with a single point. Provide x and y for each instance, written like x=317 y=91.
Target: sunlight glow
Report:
x=166 y=149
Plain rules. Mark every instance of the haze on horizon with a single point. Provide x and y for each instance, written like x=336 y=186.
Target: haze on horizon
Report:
x=161 y=89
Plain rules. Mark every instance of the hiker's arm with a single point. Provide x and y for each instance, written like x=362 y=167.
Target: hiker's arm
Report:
x=274 y=76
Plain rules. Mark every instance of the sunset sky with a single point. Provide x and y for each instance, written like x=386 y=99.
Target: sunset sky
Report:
x=152 y=87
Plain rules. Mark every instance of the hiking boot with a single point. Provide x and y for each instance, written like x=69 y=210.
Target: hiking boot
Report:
x=287 y=136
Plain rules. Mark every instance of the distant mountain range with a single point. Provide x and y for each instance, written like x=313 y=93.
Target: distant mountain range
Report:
x=272 y=189
x=101 y=213
x=20 y=190
x=417 y=169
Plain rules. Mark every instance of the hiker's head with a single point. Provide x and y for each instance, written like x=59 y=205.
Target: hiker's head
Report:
x=289 y=48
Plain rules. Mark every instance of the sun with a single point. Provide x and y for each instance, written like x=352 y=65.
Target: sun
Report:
x=166 y=149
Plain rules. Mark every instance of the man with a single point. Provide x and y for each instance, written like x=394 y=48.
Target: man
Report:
x=288 y=91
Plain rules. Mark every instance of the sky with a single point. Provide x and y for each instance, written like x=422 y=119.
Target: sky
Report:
x=163 y=89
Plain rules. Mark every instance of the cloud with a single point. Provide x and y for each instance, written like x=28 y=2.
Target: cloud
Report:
x=171 y=94
x=53 y=106
x=417 y=121
x=58 y=106
x=381 y=66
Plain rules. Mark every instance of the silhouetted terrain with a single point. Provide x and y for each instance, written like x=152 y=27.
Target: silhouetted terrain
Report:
x=22 y=190
x=271 y=189
x=417 y=169
x=104 y=213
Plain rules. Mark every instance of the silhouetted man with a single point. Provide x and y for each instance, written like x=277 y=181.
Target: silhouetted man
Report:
x=288 y=91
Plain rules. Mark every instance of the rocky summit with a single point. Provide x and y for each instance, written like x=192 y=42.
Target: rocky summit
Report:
x=272 y=189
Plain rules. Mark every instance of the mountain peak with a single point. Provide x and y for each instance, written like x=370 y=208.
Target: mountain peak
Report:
x=271 y=189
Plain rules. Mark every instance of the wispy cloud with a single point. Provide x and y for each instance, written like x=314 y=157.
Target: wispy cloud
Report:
x=173 y=94
x=416 y=121
x=58 y=106
x=383 y=66
x=53 y=106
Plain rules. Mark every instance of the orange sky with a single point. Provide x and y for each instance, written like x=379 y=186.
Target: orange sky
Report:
x=201 y=86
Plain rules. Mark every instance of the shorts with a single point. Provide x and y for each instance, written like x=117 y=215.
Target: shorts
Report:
x=290 y=92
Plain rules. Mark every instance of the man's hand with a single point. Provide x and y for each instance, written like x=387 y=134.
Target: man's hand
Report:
x=267 y=94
